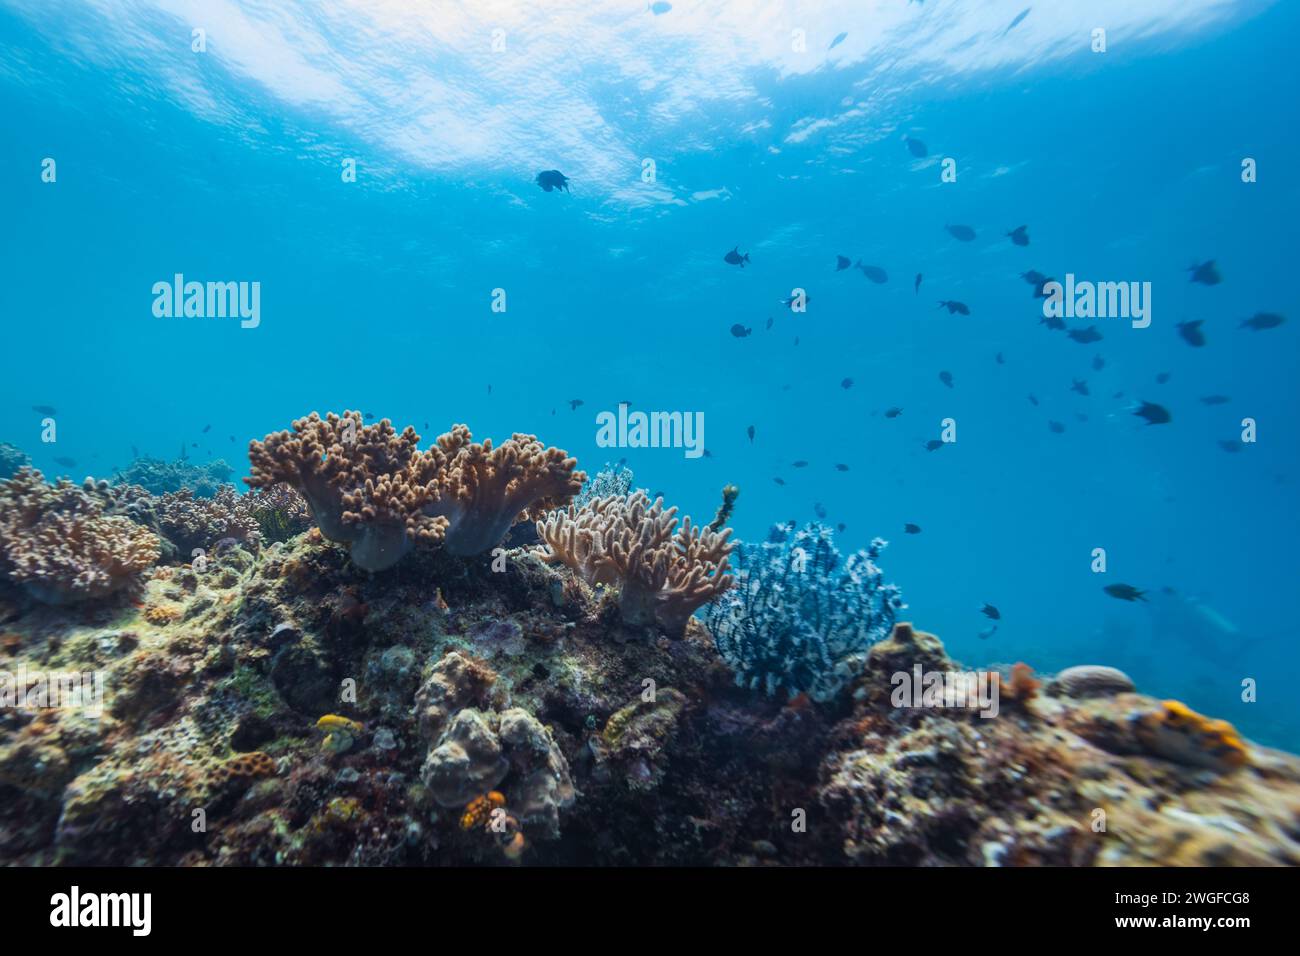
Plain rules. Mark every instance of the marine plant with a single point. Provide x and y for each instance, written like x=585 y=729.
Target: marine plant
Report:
x=801 y=617
x=376 y=491
x=57 y=542
x=663 y=574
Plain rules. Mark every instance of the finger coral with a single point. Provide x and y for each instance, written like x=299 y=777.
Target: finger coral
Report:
x=664 y=574
x=376 y=491
x=366 y=485
x=57 y=542
x=801 y=617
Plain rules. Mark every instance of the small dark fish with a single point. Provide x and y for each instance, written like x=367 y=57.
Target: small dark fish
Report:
x=659 y=7
x=1263 y=320
x=370 y=416
x=1154 y=414
x=893 y=412
x=840 y=527
x=954 y=307
x=552 y=179
x=839 y=467
x=1053 y=322
x=961 y=233
x=1034 y=277
x=206 y=429
x=45 y=409
x=707 y=453
x=999 y=359
x=1019 y=236
x=1125 y=592
x=1033 y=400
x=232 y=437
x=874 y=273
x=66 y=462
x=1215 y=400
x=1207 y=273
x=946 y=378
x=194 y=444
x=799 y=464
x=1085 y=335
x=489 y=389
x=836 y=42
x=739 y=331
x=1056 y=428
x=734 y=258
x=574 y=403
x=819 y=510
x=1162 y=378
x=780 y=481
x=1098 y=363
x=842 y=263
x=1230 y=444
x=1191 y=332
x=933 y=444
x=1015 y=23
x=847 y=383
x=1079 y=386
x=912 y=528
x=750 y=432
x=916 y=286
x=769 y=323
x=916 y=147
x=796 y=341
x=988 y=610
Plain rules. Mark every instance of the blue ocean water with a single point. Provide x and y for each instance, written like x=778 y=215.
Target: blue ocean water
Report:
x=226 y=164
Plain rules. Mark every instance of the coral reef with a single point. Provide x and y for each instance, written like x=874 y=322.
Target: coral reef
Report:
x=57 y=542
x=611 y=481
x=160 y=477
x=1090 y=680
x=800 y=617
x=664 y=575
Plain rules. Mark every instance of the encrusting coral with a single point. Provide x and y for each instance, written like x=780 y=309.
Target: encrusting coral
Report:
x=663 y=574
x=378 y=492
x=58 y=543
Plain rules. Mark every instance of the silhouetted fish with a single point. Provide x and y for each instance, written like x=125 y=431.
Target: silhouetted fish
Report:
x=735 y=258
x=946 y=378
x=916 y=286
x=1215 y=399
x=912 y=528
x=916 y=147
x=836 y=42
x=961 y=233
x=1125 y=592
x=1263 y=320
x=819 y=510
x=574 y=403
x=999 y=359
x=1016 y=22
x=839 y=467
x=1019 y=236
x=769 y=323
x=1053 y=322
x=988 y=610
x=551 y=179
x=739 y=331
x=779 y=481
x=842 y=263
x=799 y=464
x=1162 y=378
x=1154 y=414
x=1098 y=363
x=1056 y=427
x=370 y=416
x=44 y=409
x=933 y=444
x=1079 y=386
x=1033 y=400
x=893 y=412
x=847 y=383
x=206 y=429
x=1230 y=444
x=954 y=307
x=1207 y=273
x=1191 y=332
x=1085 y=335
x=874 y=273
x=750 y=432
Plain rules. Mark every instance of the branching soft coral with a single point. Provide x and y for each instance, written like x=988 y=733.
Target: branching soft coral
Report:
x=486 y=490
x=57 y=542
x=664 y=574
x=376 y=491
x=366 y=485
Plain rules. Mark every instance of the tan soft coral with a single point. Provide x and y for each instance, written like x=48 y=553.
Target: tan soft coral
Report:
x=664 y=574
x=486 y=489
x=366 y=485
x=376 y=491
x=57 y=542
